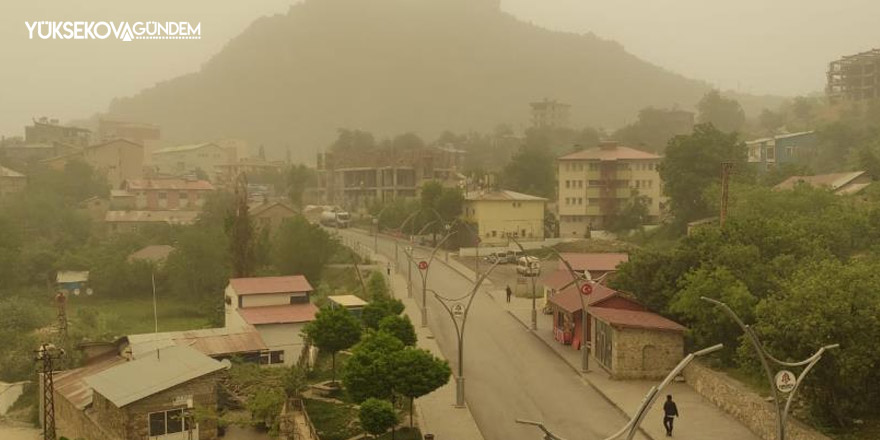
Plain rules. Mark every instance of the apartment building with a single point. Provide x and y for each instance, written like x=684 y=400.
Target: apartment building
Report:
x=596 y=182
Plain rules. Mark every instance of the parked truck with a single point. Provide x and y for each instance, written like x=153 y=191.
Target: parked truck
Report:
x=335 y=219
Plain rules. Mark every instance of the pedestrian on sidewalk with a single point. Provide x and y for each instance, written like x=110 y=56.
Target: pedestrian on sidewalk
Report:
x=670 y=412
x=509 y=293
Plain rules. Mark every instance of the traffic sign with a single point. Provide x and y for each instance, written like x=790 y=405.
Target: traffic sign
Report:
x=785 y=381
x=423 y=265
x=458 y=310
x=586 y=289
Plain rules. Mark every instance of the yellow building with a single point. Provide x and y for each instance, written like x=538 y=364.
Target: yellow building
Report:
x=499 y=213
x=596 y=182
x=184 y=159
x=119 y=160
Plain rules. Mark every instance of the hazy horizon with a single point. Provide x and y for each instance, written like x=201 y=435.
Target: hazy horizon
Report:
x=749 y=46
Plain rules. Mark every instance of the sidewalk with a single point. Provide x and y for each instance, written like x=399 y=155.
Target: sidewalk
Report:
x=435 y=412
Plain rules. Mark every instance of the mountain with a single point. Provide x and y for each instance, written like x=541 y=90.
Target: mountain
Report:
x=391 y=66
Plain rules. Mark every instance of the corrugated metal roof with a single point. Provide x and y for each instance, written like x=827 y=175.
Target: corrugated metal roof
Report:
x=833 y=181
x=6 y=172
x=617 y=153
x=72 y=386
x=635 y=319
x=502 y=195
x=347 y=300
x=284 y=314
x=263 y=285
x=153 y=253
x=140 y=378
x=598 y=262
x=72 y=276
x=569 y=300
x=212 y=341
x=181 y=148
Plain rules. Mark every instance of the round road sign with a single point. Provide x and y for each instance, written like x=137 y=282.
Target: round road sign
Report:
x=785 y=381
x=423 y=265
x=586 y=289
x=458 y=310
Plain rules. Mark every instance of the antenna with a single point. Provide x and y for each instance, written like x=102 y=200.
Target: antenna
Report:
x=155 y=309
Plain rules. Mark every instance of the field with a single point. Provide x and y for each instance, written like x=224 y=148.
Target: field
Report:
x=124 y=316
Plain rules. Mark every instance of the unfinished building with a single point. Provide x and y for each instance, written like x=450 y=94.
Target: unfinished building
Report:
x=854 y=77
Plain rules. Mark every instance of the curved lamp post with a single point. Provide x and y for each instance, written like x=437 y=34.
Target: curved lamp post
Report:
x=458 y=310
x=766 y=358
x=533 y=272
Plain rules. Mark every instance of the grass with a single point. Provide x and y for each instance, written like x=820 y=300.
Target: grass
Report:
x=123 y=316
x=333 y=421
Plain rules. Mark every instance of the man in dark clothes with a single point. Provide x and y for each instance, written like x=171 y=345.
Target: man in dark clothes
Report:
x=509 y=293
x=670 y=412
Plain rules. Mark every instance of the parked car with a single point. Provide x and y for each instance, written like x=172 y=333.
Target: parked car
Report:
x=528 y=266
x=504 y=257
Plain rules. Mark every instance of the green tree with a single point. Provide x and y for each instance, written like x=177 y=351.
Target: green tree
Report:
x=770 y=121
x=377 y=416
x=691 y=164
x=653 y=129
x=265 y=407
x=724 y=113
x=333 y=330
x=631 y=215
x=352 y=140
x=377 y=287
x=368 y=372
x=301 y=248
x=377 y=309
x=299 y=178
x=401 y=327
x=240 y=229
x=531 y=171
x=294 y=381
x=417 y=373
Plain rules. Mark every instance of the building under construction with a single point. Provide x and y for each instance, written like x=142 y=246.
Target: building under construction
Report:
x=854 y=77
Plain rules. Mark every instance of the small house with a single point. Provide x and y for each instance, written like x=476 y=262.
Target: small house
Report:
x=352 y=303
x=72 y=281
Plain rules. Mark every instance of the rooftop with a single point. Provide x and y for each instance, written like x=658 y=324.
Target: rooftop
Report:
x=72 y=276
x=155 y=253
x=610 y=151
x=183 y=148
x=134 y=380
x=568 y=298
x=6 y=172
x=502 y=195
x=212 y=341
x=283 y=314
x=264 y=285
x=72 y=383
x=170 y=217
x=635 y=319
x=347 y=300
x=259 y=208
x=168 y=184
x=604 y=262
x=833 y=181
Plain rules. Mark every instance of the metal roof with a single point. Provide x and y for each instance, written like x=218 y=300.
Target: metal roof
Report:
x=264 y=285
x=72 y=276
x=833 y=181
x=212 y=341
x=502 y=195
x=283 y=314
x=181 y=148
x=635 y=319
x=616 y=153
x=135 y=380
x=168 y=185
x=6 y=172
x=154 y=253
x=347 y=300
x=72 y=386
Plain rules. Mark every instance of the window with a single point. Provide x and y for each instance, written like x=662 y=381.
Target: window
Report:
x=580 y=183
x=594 y=166
x=638 y=183
x=299 y=299
x=651 y=166
x=771 y=153
x=494 y=233
x=167 y=422
x=567 y=184
x=162 y=196
x=790 y=151
x=272 y=357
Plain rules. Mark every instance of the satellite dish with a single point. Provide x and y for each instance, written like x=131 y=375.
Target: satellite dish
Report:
x=89 y=291
x=76 y=292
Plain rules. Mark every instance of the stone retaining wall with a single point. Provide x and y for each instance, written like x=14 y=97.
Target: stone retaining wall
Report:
x=743 y=404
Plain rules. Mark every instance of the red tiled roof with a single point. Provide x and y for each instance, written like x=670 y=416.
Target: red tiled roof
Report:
x=569 y=298
x=598 y=262
x=635 y=319
x=283 y=314
x=262 y=285
x=168 y=184
x=616 y=153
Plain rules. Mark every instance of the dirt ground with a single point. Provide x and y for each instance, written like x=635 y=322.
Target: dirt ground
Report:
x=8 y=432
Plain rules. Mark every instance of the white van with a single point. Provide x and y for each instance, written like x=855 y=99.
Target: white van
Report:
x=528 y=266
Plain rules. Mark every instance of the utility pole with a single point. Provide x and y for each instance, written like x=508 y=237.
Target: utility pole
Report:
x=61 y=303
x=46 y=354
x=725 y=189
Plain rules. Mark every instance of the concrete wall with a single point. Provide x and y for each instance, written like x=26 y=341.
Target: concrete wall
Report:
x=284 y=337
x=9 y=393
x=645 y=354
x=72 y=423
x=743 y=404
x=495 y=218
x=202 y=391
x=270 y=299
x=120 y=159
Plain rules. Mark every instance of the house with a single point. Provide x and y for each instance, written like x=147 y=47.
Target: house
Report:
x=162 y=194
x=627 y=340
x=278 y=307
x=550 y=114
x=352 y=303
x=596 y=182
x=270 y=215
x=147 y=135
x=187 y=159
x=498 y=214
x=47 y=131
x=133 y=221
x=225 y=173
x=72 y=281
x=153 y=397
x=593 y=266
x=852 y=78
x=118 y=160
x=11 y=181
x=838 y=183
x=768 y=153
x=154 y=254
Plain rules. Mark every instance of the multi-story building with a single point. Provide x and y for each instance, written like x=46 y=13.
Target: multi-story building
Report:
x=854 y=77
x=162 y=194
x=187 y=159
x=550 y=114
x=499 y=214
x=353 y=179
x=11 y=181
x=767 y=153
x=147 y=135
x=595 y=183
x=119 y=160
x=47 y=131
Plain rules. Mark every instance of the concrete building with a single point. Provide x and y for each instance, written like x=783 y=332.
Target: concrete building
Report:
x=147 y=135
x=225 y=172
x=186 y=159
x=118 y=160
x=278 y=307
x=596 y=182
x=353 y=179
x=133 y=221
x=768 y=153
x=162 y=194
x=153 y=397
x=269 y=215
x=550 y=114
x=498 y=214
x=854 y=77
x=838 y=183
x=47 y=131
x=11 y=181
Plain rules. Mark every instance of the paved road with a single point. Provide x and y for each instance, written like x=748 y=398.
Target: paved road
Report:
x=509 y=373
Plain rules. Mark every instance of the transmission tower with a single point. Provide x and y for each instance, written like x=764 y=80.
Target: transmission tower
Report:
x=61 y=303
x=46 y=354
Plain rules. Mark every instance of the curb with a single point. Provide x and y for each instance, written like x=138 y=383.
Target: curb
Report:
x=582 y=376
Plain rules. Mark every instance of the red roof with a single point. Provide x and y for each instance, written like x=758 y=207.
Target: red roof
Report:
x=168 y=184
x=570 y=301
x=635 y=319
x=263 y=285
x=594 y=262
x=615 y=153
x=283 y=314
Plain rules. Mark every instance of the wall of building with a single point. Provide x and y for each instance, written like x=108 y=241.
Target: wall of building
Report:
x=12 y=185
x=644 y=353
x=73 y=423
x=284 y=337
x=120 y=160
x=202 y=391
x=272 y=299
x=273 y=217
x=743 y=404
x=496 y=218
x=181 y=162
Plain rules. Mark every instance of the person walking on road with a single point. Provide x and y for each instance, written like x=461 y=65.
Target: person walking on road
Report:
x=509 y=293
x=670 y=412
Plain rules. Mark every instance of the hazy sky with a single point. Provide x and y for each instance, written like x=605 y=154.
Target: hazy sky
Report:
x=758 y=46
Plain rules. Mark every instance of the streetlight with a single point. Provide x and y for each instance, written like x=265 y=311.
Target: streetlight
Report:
x=458 y=310
x=424 y=266
x=532 y=271
x=784 y=381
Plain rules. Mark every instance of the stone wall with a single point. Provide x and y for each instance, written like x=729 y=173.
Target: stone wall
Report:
x=76 y=424
x=645 y=354
x=743 y=404
x=203 y=392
